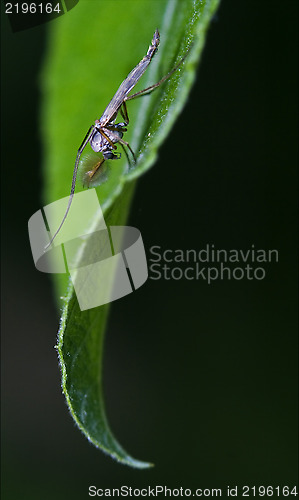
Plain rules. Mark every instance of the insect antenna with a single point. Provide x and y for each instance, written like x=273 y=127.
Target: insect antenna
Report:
x=69 y=202
x=80 y=150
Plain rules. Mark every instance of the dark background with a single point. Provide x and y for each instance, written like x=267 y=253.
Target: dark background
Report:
x=200 y=379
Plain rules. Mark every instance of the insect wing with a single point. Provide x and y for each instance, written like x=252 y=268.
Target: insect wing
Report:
x=129 y=82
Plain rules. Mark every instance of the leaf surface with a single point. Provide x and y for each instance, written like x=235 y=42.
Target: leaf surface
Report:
x=91 y=50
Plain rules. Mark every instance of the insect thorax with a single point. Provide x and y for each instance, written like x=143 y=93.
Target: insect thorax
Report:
x=99 y=142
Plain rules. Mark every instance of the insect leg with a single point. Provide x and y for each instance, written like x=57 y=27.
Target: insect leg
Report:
x=92 y=172
x=148 y=90
x=79 y=153
x=116 y=127
x=125 y=143
x=107 y=138
x=120 y=140
x=125 y=151
x=124 y=113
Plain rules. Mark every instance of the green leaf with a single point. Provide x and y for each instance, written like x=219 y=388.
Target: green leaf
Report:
x=91 y=50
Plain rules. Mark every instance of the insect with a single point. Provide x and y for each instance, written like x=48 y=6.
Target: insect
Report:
x=105 y=134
